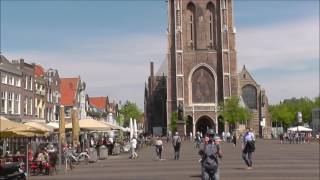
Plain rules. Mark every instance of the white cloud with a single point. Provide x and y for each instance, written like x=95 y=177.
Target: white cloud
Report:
x=296 y=85
x=279 y=46
x=288 y=49
x=116 y=67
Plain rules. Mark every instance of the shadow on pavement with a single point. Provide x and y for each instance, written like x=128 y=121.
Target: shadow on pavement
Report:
x=196 y=176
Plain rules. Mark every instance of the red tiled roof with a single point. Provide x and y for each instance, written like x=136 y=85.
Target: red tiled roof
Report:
x=68 y=90
x=99 y=102
x=38 y=70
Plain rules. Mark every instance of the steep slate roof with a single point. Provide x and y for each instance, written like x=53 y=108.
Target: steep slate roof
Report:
x=250 y=78
x=38 y=70
x=68 y=90
x=99 y=102
x=4 y=59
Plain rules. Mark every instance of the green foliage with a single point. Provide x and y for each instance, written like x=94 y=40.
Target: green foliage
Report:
x=286 y=112
x=187 y=121
x=120 y=119
x=232 y=112
x=317 y=102
x=282 y=114
x=130 y=110
x=174 y=119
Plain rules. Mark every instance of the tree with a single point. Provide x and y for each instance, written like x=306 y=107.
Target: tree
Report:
x=120 y=119
x=130 y=110
x=282 y=114
x=285 y=112
x=232 y=112
x=174 y=119
x=317 y=102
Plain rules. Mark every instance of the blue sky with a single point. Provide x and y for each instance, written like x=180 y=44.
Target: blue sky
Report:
x=110 y=43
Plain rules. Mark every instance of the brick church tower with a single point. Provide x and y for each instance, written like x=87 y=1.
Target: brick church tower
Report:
x=202 y=64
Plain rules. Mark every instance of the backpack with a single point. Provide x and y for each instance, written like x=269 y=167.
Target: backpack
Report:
x=210 y=160
x=177 y=141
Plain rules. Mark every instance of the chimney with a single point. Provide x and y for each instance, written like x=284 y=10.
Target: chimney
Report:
x=151 y=69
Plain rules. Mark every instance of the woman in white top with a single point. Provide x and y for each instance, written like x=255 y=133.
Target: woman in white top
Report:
x=133 y=148
x=159 y=147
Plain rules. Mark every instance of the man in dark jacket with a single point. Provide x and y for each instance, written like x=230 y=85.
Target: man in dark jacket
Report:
x=210 y=151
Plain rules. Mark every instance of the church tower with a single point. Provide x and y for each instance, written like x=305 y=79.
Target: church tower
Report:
x=202 y=69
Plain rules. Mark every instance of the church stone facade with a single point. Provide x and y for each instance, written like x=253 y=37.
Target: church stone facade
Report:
x=202 y=65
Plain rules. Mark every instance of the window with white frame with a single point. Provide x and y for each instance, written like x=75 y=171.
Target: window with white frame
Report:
x=51 y=96
x=10 y=80
x=3 y=102
x=25 y=106
x=26 y=83
x=30 y=83
x=29 y=106
x=3 y=78
x=17 y=82
x=17 y=104
x=10 y=103
x=48 y=95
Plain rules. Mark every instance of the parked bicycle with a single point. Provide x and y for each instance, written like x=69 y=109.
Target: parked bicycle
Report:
x=73 y=158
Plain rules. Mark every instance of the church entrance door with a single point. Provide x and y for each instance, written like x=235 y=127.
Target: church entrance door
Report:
x=203 y=124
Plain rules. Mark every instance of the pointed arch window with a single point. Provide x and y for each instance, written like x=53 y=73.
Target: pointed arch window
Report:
x=191 y=26
x=211 y=25
x=249 y=95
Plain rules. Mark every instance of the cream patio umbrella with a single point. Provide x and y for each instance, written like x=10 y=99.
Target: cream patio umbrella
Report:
x=114 y=127
x=300 y=128
x=91 y=124
x=22 y=131
x=42 y=126
x=53 y=125
x=10 y=128
x=7 y=124
x=135 y=128
x=131 y=129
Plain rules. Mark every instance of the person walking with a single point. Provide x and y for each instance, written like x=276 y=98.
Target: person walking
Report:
x=191 y=136
x=234 y=140
x=176 y=142
x=223 y=136
x=228 y=135
x=198 y=140
x=210 y=151
x=133 y=147
x=159 y=147
x=248 y=147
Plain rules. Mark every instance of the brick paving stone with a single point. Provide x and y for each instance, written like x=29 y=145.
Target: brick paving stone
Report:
x=272 y=161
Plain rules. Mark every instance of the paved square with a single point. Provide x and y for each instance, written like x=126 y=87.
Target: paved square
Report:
x=272 y=161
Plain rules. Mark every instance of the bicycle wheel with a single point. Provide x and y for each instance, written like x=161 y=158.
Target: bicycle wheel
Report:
x=83 y=158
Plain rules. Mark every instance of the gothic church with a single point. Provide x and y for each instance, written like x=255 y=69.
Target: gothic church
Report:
x=202 y=72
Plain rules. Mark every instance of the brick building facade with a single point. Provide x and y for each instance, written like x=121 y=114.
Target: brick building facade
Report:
x=17 y=89
x=73 y=96
x=202 y=66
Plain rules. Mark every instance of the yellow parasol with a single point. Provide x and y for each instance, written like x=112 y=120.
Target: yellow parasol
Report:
x=40 y=126
x=10 y=128
x=91 y=124
x=6 y=123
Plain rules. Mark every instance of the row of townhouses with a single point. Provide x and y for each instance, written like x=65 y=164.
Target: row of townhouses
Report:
x=30 y=92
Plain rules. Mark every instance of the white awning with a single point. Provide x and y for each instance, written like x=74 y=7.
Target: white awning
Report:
x=300 y=128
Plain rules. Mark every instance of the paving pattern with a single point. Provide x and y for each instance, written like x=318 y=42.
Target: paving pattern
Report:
x=272 y=161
